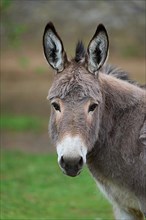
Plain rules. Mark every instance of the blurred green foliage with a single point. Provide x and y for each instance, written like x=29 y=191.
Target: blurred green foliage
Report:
x=24 y=62
x=33 y=187
x=130 y=51
x=40 y=70
x=15 y=34
x=5 y=4
x=21 y=123
x=14 y=31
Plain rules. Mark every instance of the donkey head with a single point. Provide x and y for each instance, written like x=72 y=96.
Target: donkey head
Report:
x=75 y=97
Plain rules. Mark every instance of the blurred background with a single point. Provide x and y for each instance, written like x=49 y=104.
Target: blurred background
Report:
x=25 y=80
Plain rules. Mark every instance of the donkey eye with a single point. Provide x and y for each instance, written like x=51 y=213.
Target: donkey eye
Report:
x=56 y=106
x=92 y=107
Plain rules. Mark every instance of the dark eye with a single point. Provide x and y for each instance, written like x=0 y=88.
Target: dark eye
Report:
x=56 y=106
x=92 y=107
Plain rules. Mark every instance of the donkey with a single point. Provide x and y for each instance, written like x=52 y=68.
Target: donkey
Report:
x=98 y=119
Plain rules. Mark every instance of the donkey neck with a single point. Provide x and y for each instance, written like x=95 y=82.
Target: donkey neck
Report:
x=122 y=102
x=120 y=110
x=119 y=94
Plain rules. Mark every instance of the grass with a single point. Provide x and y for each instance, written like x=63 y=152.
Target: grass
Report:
x=21 y=123
x=33 y=187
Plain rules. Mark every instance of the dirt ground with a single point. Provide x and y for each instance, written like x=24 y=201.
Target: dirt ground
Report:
x=24 y=88
x=27 y=142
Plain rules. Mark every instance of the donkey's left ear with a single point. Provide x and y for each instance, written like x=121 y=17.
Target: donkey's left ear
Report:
x=53 y=48
x=97 y=51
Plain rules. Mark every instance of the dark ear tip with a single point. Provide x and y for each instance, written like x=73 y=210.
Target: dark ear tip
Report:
x=101 y=28
x=50 y=25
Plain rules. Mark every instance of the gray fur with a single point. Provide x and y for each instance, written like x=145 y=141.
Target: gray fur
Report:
x=115 y=136
x=115 y=153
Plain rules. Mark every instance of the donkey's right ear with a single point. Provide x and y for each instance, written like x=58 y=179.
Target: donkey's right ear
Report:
x=53 y=48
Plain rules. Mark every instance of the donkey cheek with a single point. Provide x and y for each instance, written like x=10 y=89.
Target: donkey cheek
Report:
x=90 y=119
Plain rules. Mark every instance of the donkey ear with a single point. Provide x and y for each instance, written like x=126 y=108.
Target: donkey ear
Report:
x=53 y=48
x=97 y=51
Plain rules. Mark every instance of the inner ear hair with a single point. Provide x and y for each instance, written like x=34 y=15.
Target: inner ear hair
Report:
x=53 y=48
x=98 y=49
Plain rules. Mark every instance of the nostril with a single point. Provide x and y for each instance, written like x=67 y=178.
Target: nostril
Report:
x=81 y=162
x=62 y=162
x=71 y=163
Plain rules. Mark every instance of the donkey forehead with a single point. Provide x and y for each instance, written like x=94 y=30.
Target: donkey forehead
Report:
x=75 y=83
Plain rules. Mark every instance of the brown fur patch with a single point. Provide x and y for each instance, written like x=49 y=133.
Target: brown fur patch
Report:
x=136 y=213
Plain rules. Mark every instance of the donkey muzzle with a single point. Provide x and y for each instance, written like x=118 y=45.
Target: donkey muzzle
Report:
x=71 y=155
x=71 y=166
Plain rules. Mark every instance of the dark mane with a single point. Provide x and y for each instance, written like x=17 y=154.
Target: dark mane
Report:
x=80 y=51
x=115 y=71
x=118 y=73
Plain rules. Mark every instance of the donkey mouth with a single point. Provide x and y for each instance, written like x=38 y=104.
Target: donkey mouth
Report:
x=72 y=173
x=71 y=166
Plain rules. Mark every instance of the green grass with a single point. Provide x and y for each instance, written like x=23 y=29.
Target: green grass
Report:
x=33 y=187
x=21 y=123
